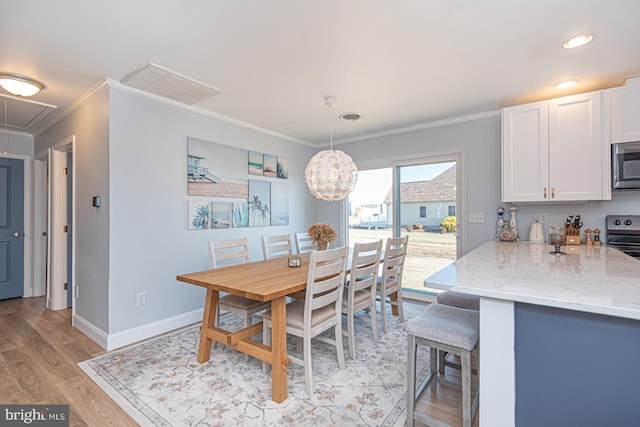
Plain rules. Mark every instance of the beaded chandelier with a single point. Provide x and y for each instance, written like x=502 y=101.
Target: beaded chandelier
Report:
x=331 y=174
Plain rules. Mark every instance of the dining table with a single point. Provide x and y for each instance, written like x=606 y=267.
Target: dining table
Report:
x=268 y=280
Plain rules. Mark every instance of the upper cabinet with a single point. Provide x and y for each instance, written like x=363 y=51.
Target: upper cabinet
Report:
x=554 y=151
x=625 y=112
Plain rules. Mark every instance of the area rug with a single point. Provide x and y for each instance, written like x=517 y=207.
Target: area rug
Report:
x=160 y=383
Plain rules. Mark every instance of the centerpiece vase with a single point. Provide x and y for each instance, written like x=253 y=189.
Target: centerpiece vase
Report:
x=322 y=246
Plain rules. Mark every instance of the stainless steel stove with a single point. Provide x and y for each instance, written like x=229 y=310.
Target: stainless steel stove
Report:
x=623 y=232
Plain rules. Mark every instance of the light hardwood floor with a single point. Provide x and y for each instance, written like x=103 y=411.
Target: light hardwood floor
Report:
x=39 y=352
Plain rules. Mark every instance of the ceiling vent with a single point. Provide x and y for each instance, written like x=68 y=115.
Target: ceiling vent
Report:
x=160 y=81
x=351 y=117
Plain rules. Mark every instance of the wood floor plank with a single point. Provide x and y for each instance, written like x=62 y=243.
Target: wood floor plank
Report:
x=21 y=368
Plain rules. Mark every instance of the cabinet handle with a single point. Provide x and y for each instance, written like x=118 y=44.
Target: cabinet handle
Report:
x=553 y=192
x=545 y=192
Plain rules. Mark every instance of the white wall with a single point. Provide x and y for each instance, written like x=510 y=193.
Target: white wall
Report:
x=16 y=142
x=149 y=240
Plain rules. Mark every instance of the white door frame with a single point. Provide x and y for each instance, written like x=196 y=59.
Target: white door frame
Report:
x=28 y=288
x=56 y=219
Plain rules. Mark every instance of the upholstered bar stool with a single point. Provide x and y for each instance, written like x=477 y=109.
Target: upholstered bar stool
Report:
x=442 y=328
x=456 y=299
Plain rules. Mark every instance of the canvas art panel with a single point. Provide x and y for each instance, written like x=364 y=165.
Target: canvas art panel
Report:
x=256 y=163
x=283 y=167
x=199 y=215
x=259 y=203
x=216 y=170
x=279 y=203
x=240 y=213
x=221 y=215
x=270 y=166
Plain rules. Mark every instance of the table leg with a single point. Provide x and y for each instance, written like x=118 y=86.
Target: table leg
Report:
x=210 y=310
x=394 y=308
x=279 y=349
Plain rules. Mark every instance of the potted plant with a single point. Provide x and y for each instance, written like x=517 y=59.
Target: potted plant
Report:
x=322 y=234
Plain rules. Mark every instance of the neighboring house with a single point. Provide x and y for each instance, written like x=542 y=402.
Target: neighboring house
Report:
x=427 y=202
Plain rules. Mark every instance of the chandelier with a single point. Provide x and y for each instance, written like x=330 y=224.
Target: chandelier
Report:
x=331 y=174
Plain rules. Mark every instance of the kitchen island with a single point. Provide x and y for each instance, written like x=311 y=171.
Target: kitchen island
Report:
x=559 y=334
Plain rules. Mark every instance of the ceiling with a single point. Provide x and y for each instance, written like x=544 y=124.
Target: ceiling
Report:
x=403 y=64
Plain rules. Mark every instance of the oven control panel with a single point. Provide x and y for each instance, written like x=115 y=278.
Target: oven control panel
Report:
x=623 y=222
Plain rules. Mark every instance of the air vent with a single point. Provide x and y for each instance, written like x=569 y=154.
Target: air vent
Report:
x=160 y=81
x=351 y=117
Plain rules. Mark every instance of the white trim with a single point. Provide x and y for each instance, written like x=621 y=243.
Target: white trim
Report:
x=497 y=366
x=28 y=237
x=93 y=332
x=40 y=228
x=149 y=330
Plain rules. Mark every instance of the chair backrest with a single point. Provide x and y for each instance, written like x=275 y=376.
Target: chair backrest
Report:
x=228 y=252
x=276 y=246
x=325 y=281
x=304 y=243
x=365 y=262
x=394 y=256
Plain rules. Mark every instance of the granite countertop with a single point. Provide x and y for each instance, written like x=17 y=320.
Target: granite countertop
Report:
x=595 y=279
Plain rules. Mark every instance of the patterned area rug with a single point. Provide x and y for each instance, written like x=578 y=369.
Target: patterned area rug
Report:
x=160 y=383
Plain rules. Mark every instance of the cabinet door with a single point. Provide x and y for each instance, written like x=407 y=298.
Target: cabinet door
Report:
x=525 y=145
x=625 y=113
x=575 y=147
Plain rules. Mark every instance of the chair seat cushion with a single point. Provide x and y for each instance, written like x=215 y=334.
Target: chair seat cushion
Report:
x=239 y=302
x=358 y=297
x=454 y=326
x=459 y=299
x=295 y=314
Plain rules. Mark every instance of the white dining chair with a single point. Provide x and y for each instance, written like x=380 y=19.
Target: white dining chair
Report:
x=390 y=278
x=360 y=292
x=230 y=252
x=276 y=246
x=318 y=312
x=304 y=243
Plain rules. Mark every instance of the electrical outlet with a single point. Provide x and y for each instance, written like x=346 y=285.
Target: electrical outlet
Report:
x=141 y=298
x=476 y=217
x=544 y=218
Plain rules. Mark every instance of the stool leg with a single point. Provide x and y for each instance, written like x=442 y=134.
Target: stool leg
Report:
x=433 y=367
x=465 y=357
x=411 y=379
x=441 y=356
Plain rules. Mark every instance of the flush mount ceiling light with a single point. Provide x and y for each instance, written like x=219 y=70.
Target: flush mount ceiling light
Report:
x=566 y=84
x=20 y=85
x=331 y=174
x=577 y=41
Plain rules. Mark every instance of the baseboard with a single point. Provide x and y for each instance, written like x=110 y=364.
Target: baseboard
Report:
x=139 y=333
x=143 y=332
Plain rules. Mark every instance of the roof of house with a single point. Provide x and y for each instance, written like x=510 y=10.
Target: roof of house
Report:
x=439 y=189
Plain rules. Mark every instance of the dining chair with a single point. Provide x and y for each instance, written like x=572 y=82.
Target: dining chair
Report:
x=276 y=246
x=230 y=252
x=304 y=243
x=318 y=312
x=390 y=278
x=360 y=292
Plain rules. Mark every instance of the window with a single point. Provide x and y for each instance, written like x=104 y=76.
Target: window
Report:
x=452 y=210
x=423 y=211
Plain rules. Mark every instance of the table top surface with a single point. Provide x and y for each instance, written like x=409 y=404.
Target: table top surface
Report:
x=596 y=279
x=259 y=280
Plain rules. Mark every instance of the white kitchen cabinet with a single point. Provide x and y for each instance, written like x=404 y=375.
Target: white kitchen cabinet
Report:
x=554 y=151
x=625 y=112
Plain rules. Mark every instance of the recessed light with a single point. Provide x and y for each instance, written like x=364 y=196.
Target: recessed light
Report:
x=577 y=41
x=565 y=84
x=20 y=85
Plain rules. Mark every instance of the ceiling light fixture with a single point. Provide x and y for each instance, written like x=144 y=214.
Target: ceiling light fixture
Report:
x=20 y=85
x=577 y=41
x=566 y=84
x=331 y=174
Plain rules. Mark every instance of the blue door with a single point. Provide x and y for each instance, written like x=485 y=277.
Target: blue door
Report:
x=11 y=228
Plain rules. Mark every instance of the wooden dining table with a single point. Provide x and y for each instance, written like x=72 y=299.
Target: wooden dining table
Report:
x=268 y=280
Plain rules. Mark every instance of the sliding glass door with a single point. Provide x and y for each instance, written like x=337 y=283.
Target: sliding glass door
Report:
x=422 y=202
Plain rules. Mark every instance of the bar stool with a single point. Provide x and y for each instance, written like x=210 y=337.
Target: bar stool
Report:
x=442 y=328
x=456 y=299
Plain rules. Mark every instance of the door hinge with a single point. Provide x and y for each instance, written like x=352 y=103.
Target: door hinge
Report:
x=66 y=171
x=66 y=286
x=65 y=228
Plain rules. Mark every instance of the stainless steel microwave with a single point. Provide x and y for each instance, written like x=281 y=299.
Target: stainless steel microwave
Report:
x=626 y=166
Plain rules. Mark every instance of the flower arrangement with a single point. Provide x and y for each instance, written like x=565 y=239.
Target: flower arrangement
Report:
x=322 y=234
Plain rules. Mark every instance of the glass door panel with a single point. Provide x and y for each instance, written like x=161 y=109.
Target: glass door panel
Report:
x=369 y=206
